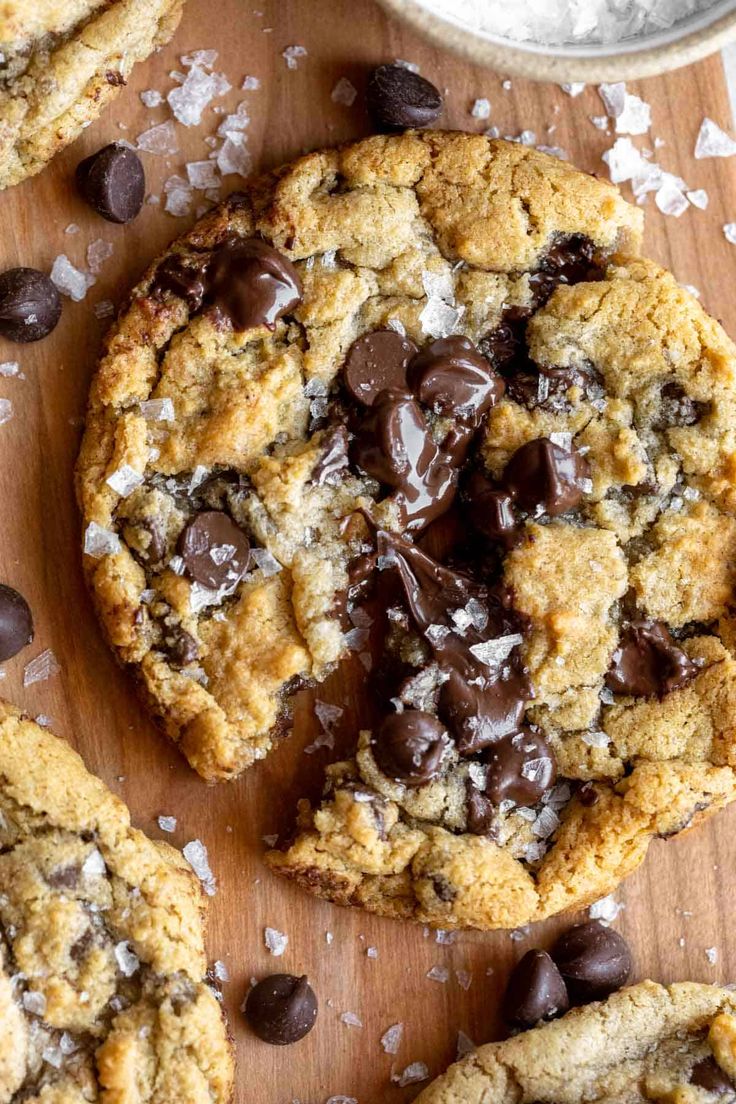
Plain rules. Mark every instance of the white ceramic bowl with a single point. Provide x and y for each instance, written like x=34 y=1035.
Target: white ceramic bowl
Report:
x=687 y=41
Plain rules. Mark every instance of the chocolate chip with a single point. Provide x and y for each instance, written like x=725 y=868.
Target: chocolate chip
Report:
x=334 y=457
x=394 y=444
x=375 y=362
x=544 y=477
x=250 y=283
x=16 y=623
x=594 y=960
x=64 y=877
x=281 y=1009
x=215 y=550
x=30 y=305
x=648 y=661
x=521 y=768
x=707 y=1074
x=182 y=648
x=677 y=408
x=398 y=98
x=184 y=279
x=535 y=991
x=452 y=377
x=481 y=812
x=409 y=747
x=504 y=345
x=491 y=511
x=112 y=181
x=588 y=795
x=570 y=260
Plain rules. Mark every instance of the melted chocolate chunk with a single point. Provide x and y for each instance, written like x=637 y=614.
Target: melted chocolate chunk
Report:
x=482 y=699
x=491 y=511
x=185 y=280
x=452 y=377
x=481 y=812
x=535 y=991
x=281 y=1009
x=543 y=477
x=394 y=445
x=647 y=661
x=249 y=283
x=398 y=98
x=16 y=623
x=215 y=550
x=246 y=281
x=334 y=458
x=30 y=305
x=707 y=1074
x=521 y=768
x=594 y=960
x=113 y=182
x=181 y=647
x=376 y=362
x=571 y=260
x=504 y=345
x=409 y=747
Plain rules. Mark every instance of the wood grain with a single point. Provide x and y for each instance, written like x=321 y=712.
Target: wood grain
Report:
x=676 y=906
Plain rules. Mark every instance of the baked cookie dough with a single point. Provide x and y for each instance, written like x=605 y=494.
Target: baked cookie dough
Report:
x=62 y=61
x=102 y=959
x=421 y=392
x=648 y=1043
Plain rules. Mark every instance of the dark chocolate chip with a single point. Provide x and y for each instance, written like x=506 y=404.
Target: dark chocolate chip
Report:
x=594 y=960
x=452 y=377
x=333 y=459
x=30 y=305
x=491 y=511
x=64 y=877
x=707 y=1074
x=16 y=623
x=186 y=280
x=444 y=890
x=397 y=98
x=250 y=283
x=182 y=648
x=481 y=812
x=571 y=260
x=113 y=182
x=535 y=991
x=281 y=1009
x=409 y=747
x=375 y=362
x=544 y=477
x=521 y=768
x=588 y=795
x=677 y=408
x=648 y=661
x=215 y=550
x=394 y=444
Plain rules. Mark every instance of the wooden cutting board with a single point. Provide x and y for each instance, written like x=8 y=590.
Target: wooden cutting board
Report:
x=676 y=906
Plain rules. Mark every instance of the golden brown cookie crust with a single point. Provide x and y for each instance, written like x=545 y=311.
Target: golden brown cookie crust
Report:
x=64 y=61
x=102 y=956
x=640 y=1045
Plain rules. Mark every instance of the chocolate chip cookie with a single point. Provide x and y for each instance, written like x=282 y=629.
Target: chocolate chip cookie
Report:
x=101 y=951
x=420 y=396
x=672 y=1045
x=62 y=61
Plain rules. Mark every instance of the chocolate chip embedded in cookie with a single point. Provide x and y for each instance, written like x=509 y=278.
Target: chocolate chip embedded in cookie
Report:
x=645 y=1043
x=62 y=63
x=102 y=959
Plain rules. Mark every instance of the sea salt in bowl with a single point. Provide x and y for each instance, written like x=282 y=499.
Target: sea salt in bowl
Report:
x=575 y=40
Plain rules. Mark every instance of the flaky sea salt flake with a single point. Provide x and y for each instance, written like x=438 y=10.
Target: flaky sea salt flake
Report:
x=391 y=1038
x=573 y=88
x=125 y=480
x=195 y=853
x=292 y=54
x=167 y=823
x=189 y=100
x=671 y=200
x=126 y=958
x=265 y=562
x=276 y=942
x=481 y=109
x=606 y=909
x=699 y=198
x=151 y=97
x=713 y=142
x=43 y=667
x=465 y=1045
x=438 y=973
x=729 y=232
x=159 y=139
x=70 y=280
x=98 y=251
x=494 y=652
x=344 y=92
x=351 y=1020
x=234 y=157
x=157 y=410
x=412 y=1075
x=94 y=865
x=6 y=411
x=99 y=541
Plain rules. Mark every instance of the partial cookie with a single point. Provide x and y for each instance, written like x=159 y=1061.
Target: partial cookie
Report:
x=671 y=1045
x=220 y=395
x=102 y=957
x=63 y=60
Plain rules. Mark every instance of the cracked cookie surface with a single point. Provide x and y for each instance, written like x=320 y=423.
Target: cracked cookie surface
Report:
x=102 y=961
x=63 y=60
x=421 y=393
x=671 y=1044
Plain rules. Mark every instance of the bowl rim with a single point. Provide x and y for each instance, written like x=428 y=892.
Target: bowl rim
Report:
x=520 y=62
